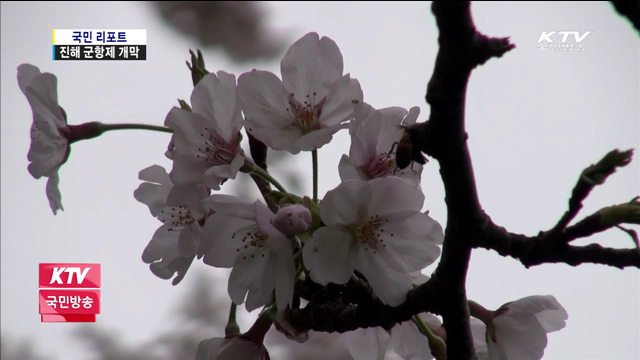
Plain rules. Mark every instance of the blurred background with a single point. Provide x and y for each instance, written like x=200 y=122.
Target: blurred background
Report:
x=535 y=120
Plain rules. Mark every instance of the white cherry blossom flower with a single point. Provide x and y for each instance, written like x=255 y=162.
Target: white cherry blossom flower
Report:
x=206 y=142
x=478 y=332
x=375 y=135
x=241 y=236
x=173 y=246
x=409 y=342
x=377 y=228
x=231 y=348
x=302 y=111
x=49 y=145
x=404 y=338
x=367 y=344
x=520 y=328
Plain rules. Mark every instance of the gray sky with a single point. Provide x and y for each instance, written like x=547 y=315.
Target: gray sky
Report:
x=535 y=119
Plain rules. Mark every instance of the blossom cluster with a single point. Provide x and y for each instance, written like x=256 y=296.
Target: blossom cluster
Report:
x=371 y=226
x=372 y=222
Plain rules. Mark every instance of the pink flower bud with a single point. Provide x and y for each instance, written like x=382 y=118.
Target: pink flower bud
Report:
x=292 y=220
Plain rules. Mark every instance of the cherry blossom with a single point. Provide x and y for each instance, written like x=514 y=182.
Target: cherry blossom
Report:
x=375 y=135
x=206 y=142
x=241 y=236
x=49 y=145
x=313 y=100
x=520 y=328
x=377 y=228
x=173 y=246
x=404 y=338
x=367 y=344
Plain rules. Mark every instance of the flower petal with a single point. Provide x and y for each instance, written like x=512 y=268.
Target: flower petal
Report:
x=252 y=275
x=26 y=74
x=318 y=138
x=285 y=273
x=346 y=204
x=348 y=170
x=215 y=98
x=154 y=192
x=264 y=100
x=409 y=343
x=278 y=139
x=208 y=349
x=219 y=245
x=367 y=343
x=156 y=174
x=478 y=332
x=411 y=241
x=328 y=255
x=392 y=194
x=53 y=192
x=163 y=245
x=311 y=65
x=518 y=338
x=342 y=97
x=547 y=309
x=391 y=286
x=42 y=93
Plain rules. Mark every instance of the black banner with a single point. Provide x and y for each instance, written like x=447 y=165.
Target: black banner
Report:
x=100 y=52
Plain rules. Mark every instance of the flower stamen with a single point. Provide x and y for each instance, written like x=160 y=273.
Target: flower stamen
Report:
x=215 y=151
x=306 y=113
x=370 y=233
x=177 y=217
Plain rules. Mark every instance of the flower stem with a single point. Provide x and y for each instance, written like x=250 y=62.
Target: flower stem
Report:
x=314 y=159
x=265 y=175
x=436 y=343
x=108 y=127
x=232 y=326
x=262 y=325
x=297 y=258
x=480 y=312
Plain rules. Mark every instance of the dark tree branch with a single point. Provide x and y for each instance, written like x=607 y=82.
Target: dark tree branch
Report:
x=591 y=177
x=353 y=306
x=258 y=151
x=630 y=10
x=532 y=251
x=444 y=137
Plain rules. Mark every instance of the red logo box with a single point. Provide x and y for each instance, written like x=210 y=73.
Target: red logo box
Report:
x=65 y=275
x=69 y=302
x=69 y=292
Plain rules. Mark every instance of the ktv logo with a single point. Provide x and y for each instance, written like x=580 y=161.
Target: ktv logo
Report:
x=559 y=40
x=69 y=292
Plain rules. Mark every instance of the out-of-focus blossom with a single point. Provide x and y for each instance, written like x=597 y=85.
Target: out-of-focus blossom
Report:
x=236 y=26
